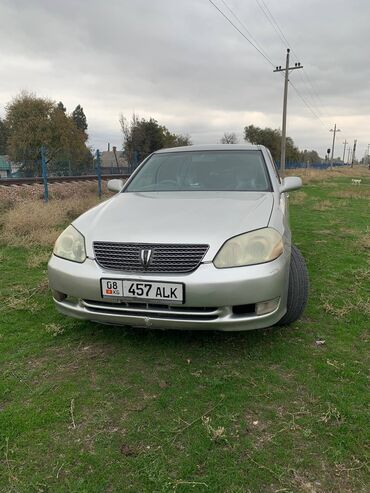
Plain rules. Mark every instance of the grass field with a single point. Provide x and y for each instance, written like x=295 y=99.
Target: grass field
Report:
x=93 y=409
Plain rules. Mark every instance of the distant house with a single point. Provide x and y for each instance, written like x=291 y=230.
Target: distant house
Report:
x=113 y=161
x=5 y=167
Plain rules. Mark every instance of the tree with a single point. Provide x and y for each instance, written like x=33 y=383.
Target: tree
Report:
x=310 y=157
x=271 y=138
x=3 y=137
x=66 y=149
x=79 y=118
x=61 y=107
x=229 y=138
x=33 y=122
x=142 y=137
x=175 y=140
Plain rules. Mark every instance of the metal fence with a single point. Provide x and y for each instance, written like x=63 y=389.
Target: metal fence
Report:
x=65 y=167
x=93 y=167
x=68 y=170
x=320 y=165
x=40 y=170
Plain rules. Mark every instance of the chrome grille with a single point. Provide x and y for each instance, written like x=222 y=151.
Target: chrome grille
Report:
x=151 y=310
x=164 y=257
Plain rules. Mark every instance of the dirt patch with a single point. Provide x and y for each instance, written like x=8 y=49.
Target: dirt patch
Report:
x=129 y=450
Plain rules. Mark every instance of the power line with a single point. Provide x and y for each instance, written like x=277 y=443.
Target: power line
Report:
x=266 y=12
x=306 y=103
x=272 y=20
x=237 y=18
x=314 y=96
x=240 y=32
x=265 y=56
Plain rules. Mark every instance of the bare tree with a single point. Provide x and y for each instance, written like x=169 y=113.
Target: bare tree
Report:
x=229 y=138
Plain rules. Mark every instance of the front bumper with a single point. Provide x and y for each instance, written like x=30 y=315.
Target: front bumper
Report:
x=211 y=296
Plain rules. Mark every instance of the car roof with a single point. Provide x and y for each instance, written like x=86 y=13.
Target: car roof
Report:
x=212 y=147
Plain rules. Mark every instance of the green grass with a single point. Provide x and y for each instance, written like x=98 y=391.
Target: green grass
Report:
x=90 y=408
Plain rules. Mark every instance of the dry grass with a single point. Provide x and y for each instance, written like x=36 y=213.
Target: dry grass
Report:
x=354 y=192
x=54 y=329
x=31 y=223
x=364 y=241
x=361 y=306
x=297 y=197
x=23 y=298
x=317 y=175
x=323 y=205
x=348 y=232
x=362 y=275
x=25 y=220
x=12 y=195
x=36 y=259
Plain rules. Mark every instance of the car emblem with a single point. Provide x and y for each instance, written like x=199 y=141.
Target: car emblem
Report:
x=145 y=257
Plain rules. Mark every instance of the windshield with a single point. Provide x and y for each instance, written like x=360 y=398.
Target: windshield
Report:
x=202 y=171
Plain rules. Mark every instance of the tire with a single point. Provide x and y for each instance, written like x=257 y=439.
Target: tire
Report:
x=298 y=288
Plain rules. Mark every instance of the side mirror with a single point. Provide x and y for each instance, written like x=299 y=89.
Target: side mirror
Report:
x=115 y=185
x=290 y=183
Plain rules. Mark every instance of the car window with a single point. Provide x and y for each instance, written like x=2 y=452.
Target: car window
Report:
x=202 y=171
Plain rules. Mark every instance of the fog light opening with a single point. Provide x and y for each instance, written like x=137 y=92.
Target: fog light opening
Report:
x=267 y=306
x=57 y=295
x=243 y=309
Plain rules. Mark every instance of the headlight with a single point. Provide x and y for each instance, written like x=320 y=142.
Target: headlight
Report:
x=256 y=247
x=71 y=245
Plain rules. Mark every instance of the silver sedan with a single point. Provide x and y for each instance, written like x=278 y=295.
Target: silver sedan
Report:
x=197 y=238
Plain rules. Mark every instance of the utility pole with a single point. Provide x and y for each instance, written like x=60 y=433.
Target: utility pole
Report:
x=98 y=171
x=285 y=103
x=349 y=153
x=334 y=130
x=353 y=152
x=44 y=174
x=344 y=150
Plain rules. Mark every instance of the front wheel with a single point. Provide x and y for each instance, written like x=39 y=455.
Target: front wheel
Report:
x=298 y=288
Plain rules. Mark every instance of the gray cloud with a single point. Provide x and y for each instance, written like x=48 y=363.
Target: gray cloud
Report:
x=182 y=63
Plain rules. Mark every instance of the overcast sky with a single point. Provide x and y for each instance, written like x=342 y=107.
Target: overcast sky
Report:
x=180 y=62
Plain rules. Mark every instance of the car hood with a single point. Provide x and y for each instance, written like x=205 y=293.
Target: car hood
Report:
x=176 y=217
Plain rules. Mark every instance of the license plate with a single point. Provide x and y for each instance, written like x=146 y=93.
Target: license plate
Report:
x=169 y=292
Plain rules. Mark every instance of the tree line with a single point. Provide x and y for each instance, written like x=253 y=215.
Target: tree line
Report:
x=32 y=122
x=142 y=137
x=271 y=138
